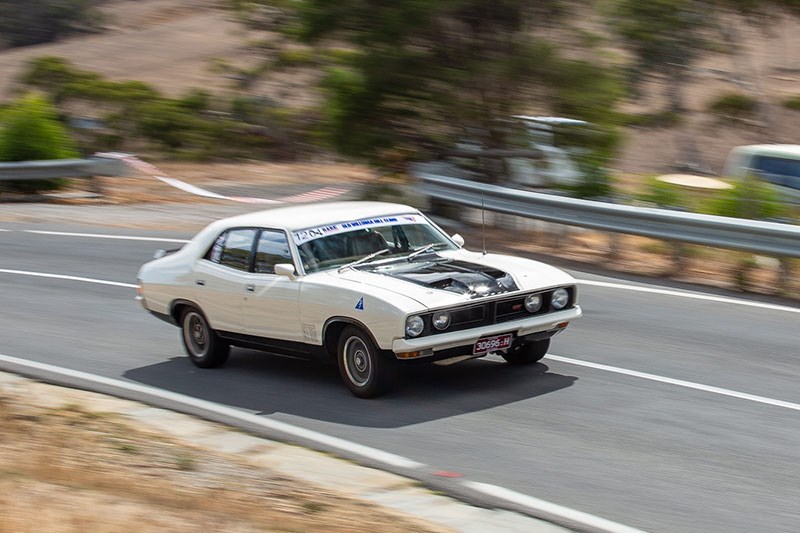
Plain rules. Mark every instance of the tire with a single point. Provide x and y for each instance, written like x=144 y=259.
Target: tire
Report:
x=526 y=353
x=364 y=368
x=202 y=344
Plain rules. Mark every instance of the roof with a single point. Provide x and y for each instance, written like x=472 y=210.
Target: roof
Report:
x=305 y=216
x=770 y=149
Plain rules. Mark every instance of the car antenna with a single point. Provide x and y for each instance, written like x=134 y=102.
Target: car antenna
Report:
x=483 y=223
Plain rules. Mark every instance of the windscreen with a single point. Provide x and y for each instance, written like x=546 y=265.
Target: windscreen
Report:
x=337 y=245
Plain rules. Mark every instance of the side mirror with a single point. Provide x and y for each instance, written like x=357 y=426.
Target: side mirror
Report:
x=458 y=239
x=159 y=254
x=285 y=269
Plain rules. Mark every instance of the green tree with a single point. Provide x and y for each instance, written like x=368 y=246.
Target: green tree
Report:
x=666 y=37
x=426 y=72
x=30 y=130
x=43 y=21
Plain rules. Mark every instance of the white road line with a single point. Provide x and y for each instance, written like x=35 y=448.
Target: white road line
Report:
x=692 y=295
x=1 y=229
x=69 y=278
x=595 y=522
x=678 y=382
x=105 y=236
x=229 y=412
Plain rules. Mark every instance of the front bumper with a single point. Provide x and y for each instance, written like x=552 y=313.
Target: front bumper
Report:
x=468 y=337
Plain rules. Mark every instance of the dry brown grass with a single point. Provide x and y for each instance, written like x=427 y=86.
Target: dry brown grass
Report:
x=69 y=470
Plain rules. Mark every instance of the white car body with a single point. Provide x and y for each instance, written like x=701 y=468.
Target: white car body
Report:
x=303 y=307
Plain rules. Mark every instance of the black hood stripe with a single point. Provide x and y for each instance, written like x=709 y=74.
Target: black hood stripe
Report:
x=460 y=277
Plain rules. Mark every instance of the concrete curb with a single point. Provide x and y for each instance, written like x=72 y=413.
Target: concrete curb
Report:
x=392 y=491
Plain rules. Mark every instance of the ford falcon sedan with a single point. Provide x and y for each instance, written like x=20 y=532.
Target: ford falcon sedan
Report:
x=369 y=285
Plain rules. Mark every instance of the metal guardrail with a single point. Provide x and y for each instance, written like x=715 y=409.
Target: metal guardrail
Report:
x=771 y=238
x=62 y=168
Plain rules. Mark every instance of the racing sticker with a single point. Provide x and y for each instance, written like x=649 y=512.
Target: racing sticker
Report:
x=360 y=304
x=310 y=234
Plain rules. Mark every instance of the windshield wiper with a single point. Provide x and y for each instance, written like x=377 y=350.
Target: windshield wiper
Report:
x=421 y=250
x=363 y=259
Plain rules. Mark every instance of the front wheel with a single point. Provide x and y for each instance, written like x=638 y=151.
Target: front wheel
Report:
x=365 y=370
x=526 y=353
x=202 y=344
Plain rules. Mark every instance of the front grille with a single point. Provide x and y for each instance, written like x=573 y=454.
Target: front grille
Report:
x=494 y=312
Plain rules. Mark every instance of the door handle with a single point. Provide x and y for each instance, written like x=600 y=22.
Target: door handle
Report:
x=250 y=287
x=200 y=282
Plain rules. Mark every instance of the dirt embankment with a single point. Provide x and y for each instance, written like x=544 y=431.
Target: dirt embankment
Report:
x=65 y=468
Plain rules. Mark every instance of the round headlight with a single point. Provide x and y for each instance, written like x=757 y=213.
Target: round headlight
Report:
x=414 y=326
x=559 y=299
x=441 y=319
x=533 y=302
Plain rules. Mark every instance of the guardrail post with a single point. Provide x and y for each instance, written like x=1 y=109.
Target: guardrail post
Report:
x=614 y=246
x=678 y=255
x=784 y=274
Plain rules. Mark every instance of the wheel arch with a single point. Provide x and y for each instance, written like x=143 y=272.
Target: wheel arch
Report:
x=332 y=330
x=177 y=307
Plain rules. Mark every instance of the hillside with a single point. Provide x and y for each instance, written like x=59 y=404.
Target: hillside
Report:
x=177 y=45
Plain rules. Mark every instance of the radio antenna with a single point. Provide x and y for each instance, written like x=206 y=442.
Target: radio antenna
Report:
x=483 y=223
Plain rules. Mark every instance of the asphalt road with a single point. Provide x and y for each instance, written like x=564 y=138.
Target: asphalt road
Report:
x=650 y=453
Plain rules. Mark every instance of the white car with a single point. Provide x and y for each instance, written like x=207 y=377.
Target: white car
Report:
x=369 y=284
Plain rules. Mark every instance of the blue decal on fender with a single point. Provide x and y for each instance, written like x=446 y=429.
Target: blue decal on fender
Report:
x=360 y=304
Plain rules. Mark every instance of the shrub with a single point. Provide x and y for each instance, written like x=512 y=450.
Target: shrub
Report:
x=659 y=119
x=735 y=105
x=595 y=178
x=296 y=57
x=31 y=131
x=662 y=194
x=750 y=198
x=793 y=102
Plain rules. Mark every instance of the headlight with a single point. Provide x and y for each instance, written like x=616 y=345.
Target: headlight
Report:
x=559 y=299
x=414 y=326
x=533 y=302
x=441 y=319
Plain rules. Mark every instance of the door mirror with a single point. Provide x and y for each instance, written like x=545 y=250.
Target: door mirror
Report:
x=458 y=239
x=285 y=269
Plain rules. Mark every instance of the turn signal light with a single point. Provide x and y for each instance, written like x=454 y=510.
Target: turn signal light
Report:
x=408 y=355
x=563 y=325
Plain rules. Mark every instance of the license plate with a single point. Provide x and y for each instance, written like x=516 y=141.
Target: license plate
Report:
x=492 y=344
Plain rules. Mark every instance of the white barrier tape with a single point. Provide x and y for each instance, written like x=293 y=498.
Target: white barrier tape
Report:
x=147 y=168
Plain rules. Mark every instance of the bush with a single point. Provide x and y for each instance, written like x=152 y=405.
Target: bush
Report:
x=750 y=198
x=31 y=131
x=735 y=105
x=793 y=102
x=297 y=57
x=44 y=21
x=659 y=119
x=662 y=194
x=595 y=178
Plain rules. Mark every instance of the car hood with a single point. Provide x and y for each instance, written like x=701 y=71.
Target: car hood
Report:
x=456 y=277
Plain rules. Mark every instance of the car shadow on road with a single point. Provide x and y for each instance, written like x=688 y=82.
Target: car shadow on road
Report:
x=269 y=385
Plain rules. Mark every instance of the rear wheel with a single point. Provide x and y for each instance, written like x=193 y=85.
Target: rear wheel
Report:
x=526 y=353
x=204 y=347
x=365 y=370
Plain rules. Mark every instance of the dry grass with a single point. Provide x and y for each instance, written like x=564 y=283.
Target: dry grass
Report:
x=68 y=470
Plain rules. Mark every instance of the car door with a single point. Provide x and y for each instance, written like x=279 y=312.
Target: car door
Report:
x=221 y=276
x=271 y=305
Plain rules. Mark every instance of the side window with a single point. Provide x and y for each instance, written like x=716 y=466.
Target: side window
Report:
x=233 y=248
x=273 y=248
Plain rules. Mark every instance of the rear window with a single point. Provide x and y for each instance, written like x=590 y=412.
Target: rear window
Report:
x=233 y=248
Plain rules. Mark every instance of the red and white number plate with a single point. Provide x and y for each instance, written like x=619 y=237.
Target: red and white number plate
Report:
x=492 y=344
